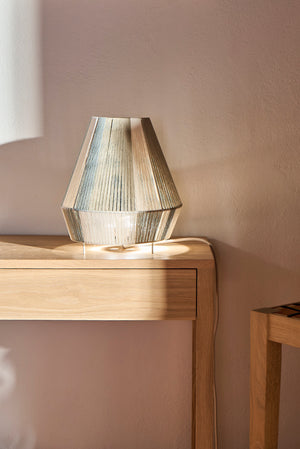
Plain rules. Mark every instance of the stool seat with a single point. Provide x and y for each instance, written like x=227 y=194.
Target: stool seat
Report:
x=270 y=328
x=290 y=310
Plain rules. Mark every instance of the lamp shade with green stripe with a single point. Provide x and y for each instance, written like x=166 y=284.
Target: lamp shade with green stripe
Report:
x=121 y=191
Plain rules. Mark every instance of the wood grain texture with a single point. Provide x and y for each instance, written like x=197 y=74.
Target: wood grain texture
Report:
x=203 y=362
x=283 y=323
x=119 y=294
x=265 y=361
x=50 y=277
x=284 y=330
x=29 y=251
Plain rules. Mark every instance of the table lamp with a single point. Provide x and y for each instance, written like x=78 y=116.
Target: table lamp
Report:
x=121 y=191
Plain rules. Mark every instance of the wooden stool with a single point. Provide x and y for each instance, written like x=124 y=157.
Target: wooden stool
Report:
x=270 y=328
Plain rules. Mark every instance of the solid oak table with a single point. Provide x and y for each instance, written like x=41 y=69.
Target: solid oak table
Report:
x=52 y=278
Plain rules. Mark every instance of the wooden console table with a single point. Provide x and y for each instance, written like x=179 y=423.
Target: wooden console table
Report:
x=51 y=278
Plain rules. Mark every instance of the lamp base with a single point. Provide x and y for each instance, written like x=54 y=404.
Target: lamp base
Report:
x=120 y=228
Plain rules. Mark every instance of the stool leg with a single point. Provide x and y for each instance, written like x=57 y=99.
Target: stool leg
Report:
x=265 y=370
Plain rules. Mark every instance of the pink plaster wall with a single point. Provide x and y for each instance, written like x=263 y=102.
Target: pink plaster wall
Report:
x=220 y=81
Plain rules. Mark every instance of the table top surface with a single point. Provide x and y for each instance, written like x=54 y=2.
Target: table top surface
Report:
x=61 y=248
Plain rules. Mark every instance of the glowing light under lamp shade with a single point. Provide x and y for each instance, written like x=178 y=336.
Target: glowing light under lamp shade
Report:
x=121 y=191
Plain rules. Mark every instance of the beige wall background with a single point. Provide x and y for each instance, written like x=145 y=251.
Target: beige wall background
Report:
x=220 y=81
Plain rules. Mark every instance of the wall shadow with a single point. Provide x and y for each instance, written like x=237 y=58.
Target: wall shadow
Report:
x=247 y=282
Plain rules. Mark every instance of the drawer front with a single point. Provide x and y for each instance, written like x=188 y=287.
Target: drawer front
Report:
x=97 y=294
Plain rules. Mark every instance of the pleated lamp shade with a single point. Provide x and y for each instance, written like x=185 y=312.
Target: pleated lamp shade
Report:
x=121 y=191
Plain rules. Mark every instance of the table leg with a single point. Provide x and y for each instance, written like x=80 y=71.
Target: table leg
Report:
x=203 y=422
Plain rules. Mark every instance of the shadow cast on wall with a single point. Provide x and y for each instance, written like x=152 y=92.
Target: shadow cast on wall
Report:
x=219 y=83
x=247 y=282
